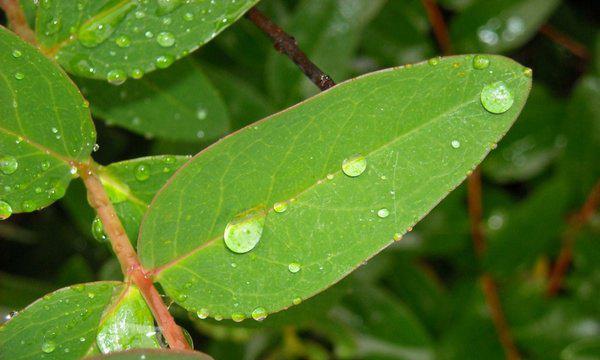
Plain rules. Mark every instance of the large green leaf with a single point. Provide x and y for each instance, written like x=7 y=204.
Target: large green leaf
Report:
x=120 y=38
x=155 y=355
x=45 y=126
x=499 y=25
x=61 y=325
x=421 y=129
x=178 y=103
x=132 y=184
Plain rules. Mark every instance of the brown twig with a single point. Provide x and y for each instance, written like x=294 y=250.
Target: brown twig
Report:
x=440 y=30
x=16 y=20
x=489 y=287
x=576 y=222
x=130 y=264
x=288 y=46
x=575 y=47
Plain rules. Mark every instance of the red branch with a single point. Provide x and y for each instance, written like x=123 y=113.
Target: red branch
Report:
x=288 y=46
x=440 y=30
x=576 y=222
x=575 y=47
x=130 y=264
x=16 y=20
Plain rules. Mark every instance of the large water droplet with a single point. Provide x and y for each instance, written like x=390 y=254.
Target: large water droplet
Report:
x=480 y=62
x=97 y=29
x=259 y=314
x=98 y=230
x=202 y=313
x=8 y=164
x=244 y=231
x=383 y=213
x=294 y=267
x=165 y=39
x=142 y=172
x=237 y=317
x=116 y=76
x=48 y=346
x=354 y=165
x=5 y=210
x=496 y=98
x=123 y=41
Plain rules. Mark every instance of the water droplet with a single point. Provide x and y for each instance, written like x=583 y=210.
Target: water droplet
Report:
x=296 y=301
x=100 y=27
x=19 y=76
x=383 y=213
x=480 y=62
x=98 y=230
x=201 y=113
x=188 y=16
x=294 y=267
x=91 y=295
x=116 y=76
x=142 y=172
x=237 y=317
x=8 y=164
x=16 y=53
x=280 y=207
x=455 y=144
x=259 y=314
x=496 y=98
x=354 y=165
x=397 y=236
x=5 y=210
x=123 y=41
x=48 y=346
x=202 y=313
x=182 y=297
x=433 y=61
x=528 y=72
x=45 y=165
x=167 y=6
x=244 y=231
x=218 y=317
x=164 y=61
x=165 y=39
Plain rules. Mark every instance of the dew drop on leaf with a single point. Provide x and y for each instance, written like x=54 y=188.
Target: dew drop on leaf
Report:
x=455 y=144
x=164 y=61
x=48 y=346
x=480 y=62
x=237 y=317
x=116 y=77
x=8 y=164
x=280 y=207
x=397 y=236
x=5 y=210
x=218 y=317
x=296 y=301
x=16 y=54
x=98 y=230
x=294 y=267
x=100 y=27
x=165 y=39
x=496 y=98
x=142 y=172
x=383 y=213
x=202 y=313
x=354 y=165
x=123 y=41
x=19 y=76
x=245 y=230
x=259 y=314
x=433 y=61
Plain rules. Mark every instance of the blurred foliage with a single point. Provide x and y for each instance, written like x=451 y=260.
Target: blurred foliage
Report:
x=421 y=298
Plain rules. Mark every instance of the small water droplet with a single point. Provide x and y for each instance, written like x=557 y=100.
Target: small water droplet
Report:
x=383 y=213
x=202 y=313
x=8 y=164
x=296 y=301
x=116 y=76
x=528 y=72
x=188 y=16
x=433 y=61
x=243 y=233
x=164 y=61
x=48 y=346
x=123 y=41
x=91 y=295
x=97 y=29
x=480 y=62
x=280 y=207
x=496 y=98
x=16 y=53
x=19 y=76
x=237 y=317
x=455 y=144
x=5 y=210
x=354 y=165
x=182 y=297
x=294 y=267
x=201 y=113
x=142 y=172
x=259 y=314
x=137 y=73
x=397 y=236
x=98 y=230
x=165 y=39
x=218 y=317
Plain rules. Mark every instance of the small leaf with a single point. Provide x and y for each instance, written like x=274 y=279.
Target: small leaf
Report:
x=127 y=324
x=148 y=354
x=499 y=25
x=62 y=324
x=111 y=39
x=45 y=127
x=403 y=121
x=178 y=103
x=132 y=184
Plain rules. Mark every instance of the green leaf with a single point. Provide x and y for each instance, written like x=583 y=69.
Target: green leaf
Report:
x=45 y=127
x=499 y=25
x=586 y=349
x=329 y=31
x=62 y=324
x=178 y=103
x=30 y=9
x=117 y=39
x=127 y=324
x=403 y=121
x=155 y=355
x=132 y=184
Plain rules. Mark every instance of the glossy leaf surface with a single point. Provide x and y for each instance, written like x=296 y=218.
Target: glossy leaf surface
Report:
x=61 y=325
x=420 y=129
x=155 y=355
x=178 y=103
x=105 y=38
x=45 y=125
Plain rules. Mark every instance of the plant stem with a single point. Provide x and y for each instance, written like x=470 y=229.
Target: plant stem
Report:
x=488 y=285
x=288 y=46
x=16 y=20
x=440 y=30
x=576 y=48
x=577 y=221
x=130 y=264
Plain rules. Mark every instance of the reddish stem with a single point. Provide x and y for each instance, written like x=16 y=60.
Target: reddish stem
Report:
x=130 y=264
x=16 y=20
x=577 y=221
x=440 y=30
x=575 y=47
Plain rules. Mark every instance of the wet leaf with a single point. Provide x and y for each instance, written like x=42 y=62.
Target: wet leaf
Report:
x=61 y=325
x=154 y=355
x=111 y=39
x=45 y=125
x=302 y=173
x=178 y=103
